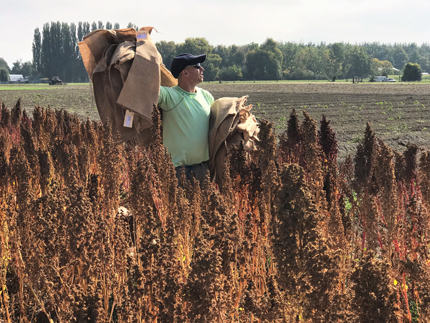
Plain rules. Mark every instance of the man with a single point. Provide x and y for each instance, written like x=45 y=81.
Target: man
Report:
x=186 y=113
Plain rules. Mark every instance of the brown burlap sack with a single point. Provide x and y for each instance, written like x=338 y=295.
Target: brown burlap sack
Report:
x=127 y=71
x=230 y=124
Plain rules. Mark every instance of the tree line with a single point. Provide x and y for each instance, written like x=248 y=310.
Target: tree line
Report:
x=296 y=61
x=56 y=52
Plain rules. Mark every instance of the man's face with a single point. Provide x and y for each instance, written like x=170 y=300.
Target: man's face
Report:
x=195 y=73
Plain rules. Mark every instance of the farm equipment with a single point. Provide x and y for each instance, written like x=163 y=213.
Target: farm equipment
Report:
x=56 y=81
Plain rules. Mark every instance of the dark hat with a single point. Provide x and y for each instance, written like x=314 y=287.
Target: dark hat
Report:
x=183 y=60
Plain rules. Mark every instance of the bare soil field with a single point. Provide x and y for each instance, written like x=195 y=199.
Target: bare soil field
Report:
x=399 y=113
x=75 y=98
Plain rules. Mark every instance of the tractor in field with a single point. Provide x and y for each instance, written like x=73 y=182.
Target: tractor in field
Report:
x=55 y=80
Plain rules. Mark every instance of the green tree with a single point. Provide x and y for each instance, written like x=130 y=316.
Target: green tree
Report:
x=27 y=69
x=80 y=31
x=37 y=51
x=93 y=26
x=108 y=25
x=16 y=67
x=224 y=53
x=66 y=53
x=59 y=50
x=382 y=67
x=262 y=65
x=46 y=54
x=377 y=50
x=336 y=60
x=74 y=46
x=272 y=46
x=410 y=48
x=231 y=73
x=211 y=66
x=100 y=25
x=358 y=63
x=302 y=60
x=290 y=52
x=264 y=62
x=415 y=56
x=314 y=59
x=419 y=56
x=425 y=57
x=195 y=46
x=231 y=55
x=398 y=57
x=3 y=64
x=424 y=62
x=116 y=26
x=86 y=28
x=69 y=53
x=237 y=56
x=250 y=46
x=412 y=72
x=4 y=74
x=167 y=51
x=57 y=61
x=131 y=25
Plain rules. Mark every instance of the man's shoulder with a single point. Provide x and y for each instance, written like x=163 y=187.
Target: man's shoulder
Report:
x=206 y=94
x=167 y=89
x=167 y=97
x=169 y=92
x=203 y=90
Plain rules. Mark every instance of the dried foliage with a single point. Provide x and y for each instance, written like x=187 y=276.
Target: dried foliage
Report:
x=93 y=230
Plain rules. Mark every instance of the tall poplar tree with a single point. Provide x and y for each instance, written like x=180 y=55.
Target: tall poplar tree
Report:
x=45 y=57
x=80 y=31
x=66 y=53
x=56 y=61
x=37 y=52
x=86 y=28
x=75 y=59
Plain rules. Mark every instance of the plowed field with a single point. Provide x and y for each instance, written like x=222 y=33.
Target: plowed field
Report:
x=399 y=113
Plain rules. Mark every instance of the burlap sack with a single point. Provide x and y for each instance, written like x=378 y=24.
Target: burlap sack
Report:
x=230 y=124
x=127 y=71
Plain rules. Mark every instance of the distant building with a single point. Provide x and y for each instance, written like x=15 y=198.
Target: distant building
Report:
x=380 y=78
x=16 y=78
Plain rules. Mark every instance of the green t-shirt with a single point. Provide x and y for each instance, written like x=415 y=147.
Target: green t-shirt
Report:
x=185 y=124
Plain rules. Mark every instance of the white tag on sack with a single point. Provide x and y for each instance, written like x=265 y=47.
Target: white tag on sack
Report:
x=128 y=120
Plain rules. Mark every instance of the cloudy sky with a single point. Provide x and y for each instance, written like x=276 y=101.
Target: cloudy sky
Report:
x=225 y=22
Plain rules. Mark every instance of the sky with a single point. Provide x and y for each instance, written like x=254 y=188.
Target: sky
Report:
x=225 y=22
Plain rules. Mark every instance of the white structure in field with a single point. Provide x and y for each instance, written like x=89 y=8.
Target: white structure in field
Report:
x=16 y=78
x=380 y=78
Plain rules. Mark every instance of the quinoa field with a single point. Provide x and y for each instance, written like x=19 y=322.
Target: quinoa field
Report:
x=328 y=221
